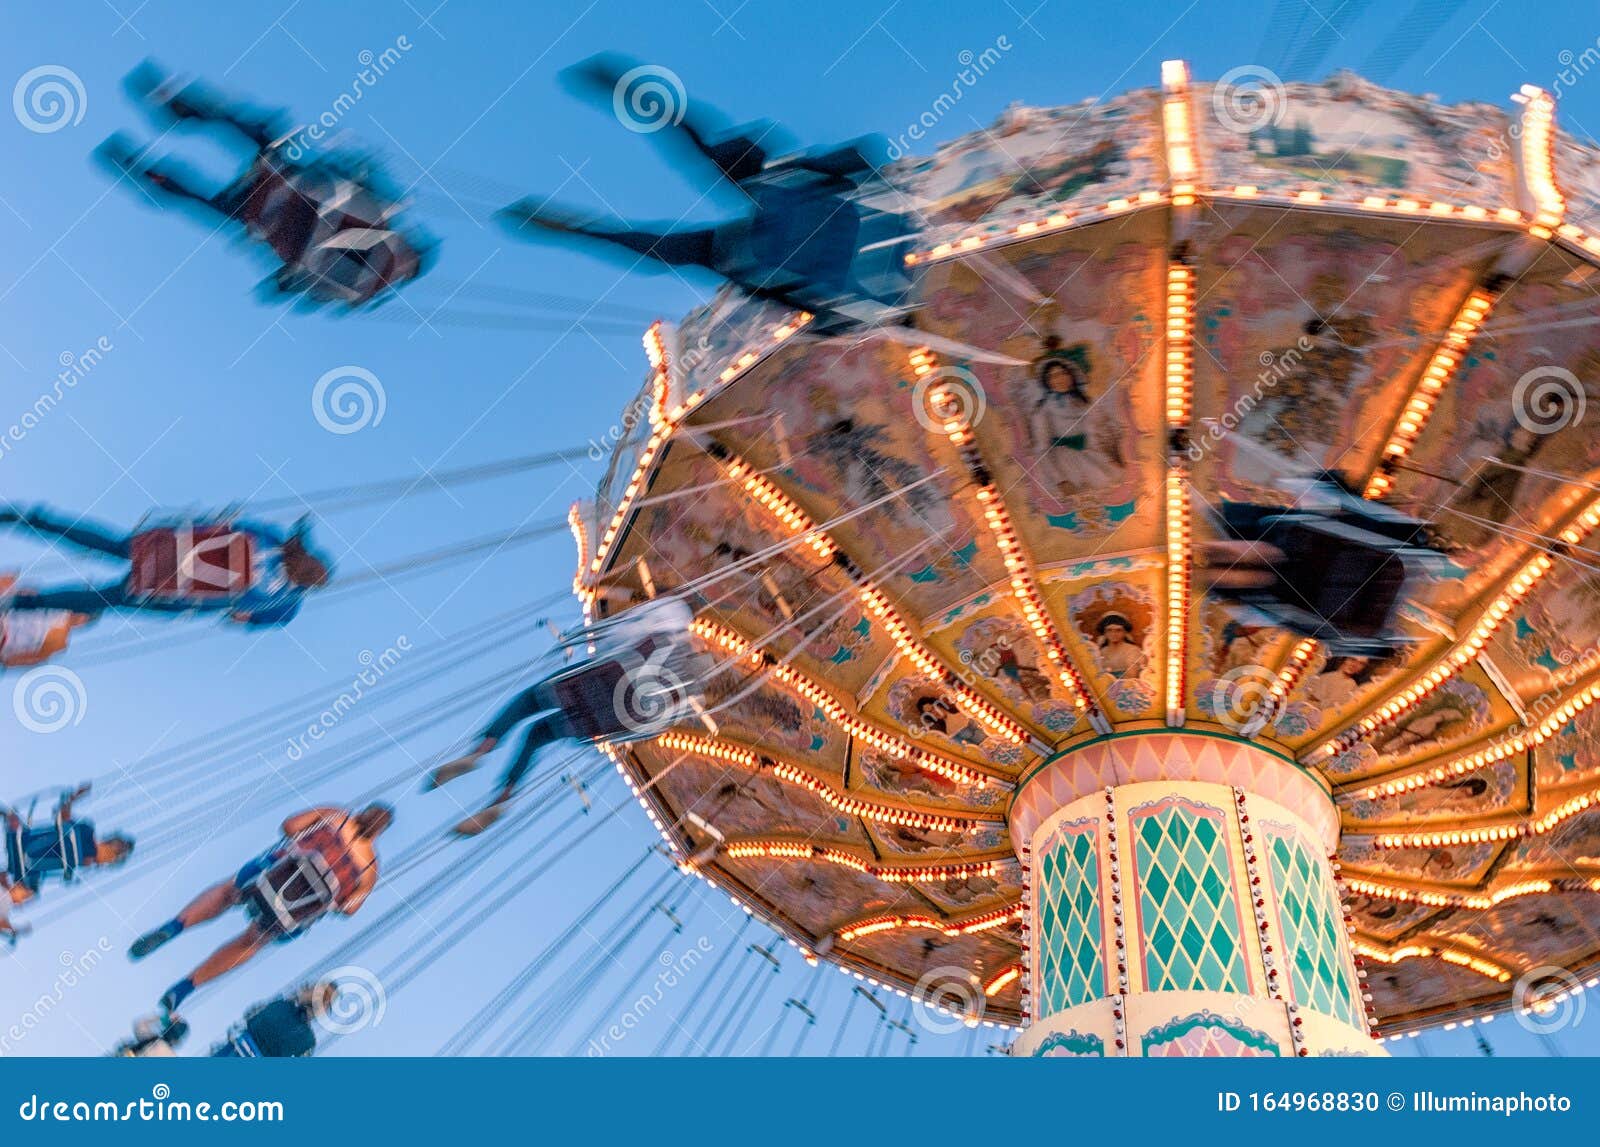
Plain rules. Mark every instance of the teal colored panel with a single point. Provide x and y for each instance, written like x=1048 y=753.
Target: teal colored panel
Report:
x=1189 y=914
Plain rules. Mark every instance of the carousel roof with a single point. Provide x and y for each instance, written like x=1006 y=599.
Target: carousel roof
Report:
x=933 y=573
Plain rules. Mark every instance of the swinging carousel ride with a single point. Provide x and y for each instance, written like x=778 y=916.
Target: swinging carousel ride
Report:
x=976 y=732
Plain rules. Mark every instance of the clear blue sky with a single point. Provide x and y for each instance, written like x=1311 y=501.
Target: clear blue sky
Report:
x=205 y=395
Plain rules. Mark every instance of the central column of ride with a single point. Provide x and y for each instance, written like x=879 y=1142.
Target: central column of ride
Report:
x=1182 y=901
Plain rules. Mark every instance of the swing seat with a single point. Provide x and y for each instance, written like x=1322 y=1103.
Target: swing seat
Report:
x=1343 y=575
x=241 y=1044
x=629 y=693
x=356 y=264
x=188 y=562
x=32 y=850
x=296 y=890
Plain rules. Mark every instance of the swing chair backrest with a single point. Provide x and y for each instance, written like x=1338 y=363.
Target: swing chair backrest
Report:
x=295 y=890
x=635 y=693
x=1354 y=578
x=243 y=1046
x=354 y=264
x=28 y=846
x=191 y=561
x=586 y=692
x=879 y=270
x=16 y=856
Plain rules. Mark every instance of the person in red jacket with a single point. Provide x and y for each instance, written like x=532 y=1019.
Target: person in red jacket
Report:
x=326 y=861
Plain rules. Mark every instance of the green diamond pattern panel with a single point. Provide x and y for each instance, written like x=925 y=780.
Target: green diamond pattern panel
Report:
x=1188 y=914
x=1071 y=970
x=1309 y=919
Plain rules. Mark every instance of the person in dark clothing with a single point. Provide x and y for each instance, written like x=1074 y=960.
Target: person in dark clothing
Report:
x=64 y=847
x=637 y=680
x=802 y=241
x=282 y=1028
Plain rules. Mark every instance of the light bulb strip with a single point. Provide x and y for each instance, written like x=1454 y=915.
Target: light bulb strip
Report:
x=1119 y=927
x=1001 y=982
x=1487 y=834
x=804 y=687
x=1306 y=198
x=1179 y=375
x=1025 y=928
x=967 y=699
x=1499 y=749
x=1177 y=129
x=728 y=752
x=1434 y=898
x=1465 y=650
x=1478 y=964
x=639 y=791
x=1178 y=576
x=1341 y=893
x=1539 y=160
x=889 y=874
x=953 y=928
x=785 y=675
x=655 y=349
x=1179 y=344
x=944 y=402
x=1581 y=242
x=1436 y=376
x=580 y=540
x=1059 y=219
x=664 y=423
x=1279 y=987
x=787 y=512
x=807 y=688
x=1285 y=680
x=1377 y=204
